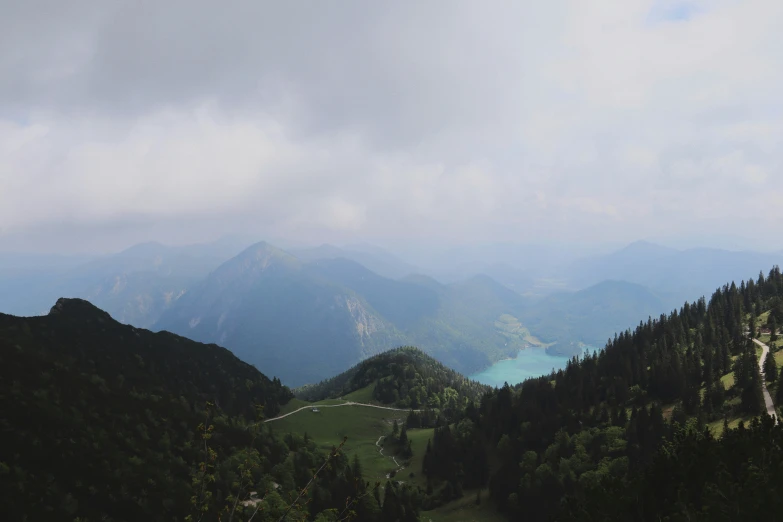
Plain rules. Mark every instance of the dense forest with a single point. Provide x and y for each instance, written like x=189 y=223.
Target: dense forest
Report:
x=403 y=377
x=103 y=421
x=622 y=434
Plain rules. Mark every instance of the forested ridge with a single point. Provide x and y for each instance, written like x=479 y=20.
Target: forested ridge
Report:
x=622 y=434
x=404 y=377
x=103 y=421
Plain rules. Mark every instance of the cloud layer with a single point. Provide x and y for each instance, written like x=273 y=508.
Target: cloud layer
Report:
x=462 y=121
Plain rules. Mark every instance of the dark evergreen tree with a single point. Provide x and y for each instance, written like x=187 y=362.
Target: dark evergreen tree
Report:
x=403 y=436
x=770 y=368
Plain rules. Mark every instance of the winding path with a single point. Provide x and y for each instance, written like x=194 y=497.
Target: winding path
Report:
x=349 y=403
x=767 y=397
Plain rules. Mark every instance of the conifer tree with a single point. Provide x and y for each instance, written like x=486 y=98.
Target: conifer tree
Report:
x=773 y=328
x=770 y=368
x=395 y=428
x=426 y=462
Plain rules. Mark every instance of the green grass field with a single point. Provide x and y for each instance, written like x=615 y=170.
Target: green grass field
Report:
x=362 y=395
x=362 y=425
x=293 y=404
x=418 y=438
x=464 y=510
x=728 y=380
x=716 y=427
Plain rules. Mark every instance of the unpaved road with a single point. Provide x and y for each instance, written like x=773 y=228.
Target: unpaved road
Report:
x=767 y=397
x=311 y=406
x=380 y=449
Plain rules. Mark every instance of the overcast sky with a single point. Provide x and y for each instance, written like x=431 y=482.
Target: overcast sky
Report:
x=451 y=121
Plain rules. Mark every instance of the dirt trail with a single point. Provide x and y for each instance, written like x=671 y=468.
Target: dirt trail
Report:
x=767 y=397
x=380 y=449
x=336 y=406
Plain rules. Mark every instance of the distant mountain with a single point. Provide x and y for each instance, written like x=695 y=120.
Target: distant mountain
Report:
x=135 y=286
x=266 y=307
x=310 y=320
x=674 y=275
x=376 y=259
x=590 y=316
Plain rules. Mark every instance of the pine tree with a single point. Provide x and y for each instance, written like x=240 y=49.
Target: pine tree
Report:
x=395 y=428
x=773 y=329
x=779 y=394
x=404 y=436
x=427 y=461
x=770 y=368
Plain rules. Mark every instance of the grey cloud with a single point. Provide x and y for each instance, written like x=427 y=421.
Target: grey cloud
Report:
x=450 y=119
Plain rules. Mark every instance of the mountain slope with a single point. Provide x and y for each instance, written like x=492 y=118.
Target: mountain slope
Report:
x=135 y=286
x=403 y=377
x=99 y=418
x=643 y=430
x=590 y=316
x=375 y=259
x=269 y=310
x=309 y=321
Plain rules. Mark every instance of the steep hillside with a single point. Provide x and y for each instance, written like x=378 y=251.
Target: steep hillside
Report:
x=631 y=433
x=307 y=321
x=270 y=311
x=102 y=421
x=590 y=316
x=98 y=417
x=405 y=378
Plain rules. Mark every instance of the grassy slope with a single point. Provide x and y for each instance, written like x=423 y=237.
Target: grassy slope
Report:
x=362 y=395
x=363 y=426
x=464 y=510
x=293 y=404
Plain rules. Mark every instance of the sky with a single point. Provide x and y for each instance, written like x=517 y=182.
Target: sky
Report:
x=452 y=121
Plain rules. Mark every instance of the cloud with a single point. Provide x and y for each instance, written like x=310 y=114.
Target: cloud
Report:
x=457 y=120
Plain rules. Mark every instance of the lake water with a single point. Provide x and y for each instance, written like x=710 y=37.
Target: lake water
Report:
x=530 y=362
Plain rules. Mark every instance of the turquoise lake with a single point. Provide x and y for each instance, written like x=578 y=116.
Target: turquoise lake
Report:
x=530 y=362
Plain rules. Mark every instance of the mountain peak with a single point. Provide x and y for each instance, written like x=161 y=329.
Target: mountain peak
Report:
x=77 y=309
x=646 y=246
x=264 y=254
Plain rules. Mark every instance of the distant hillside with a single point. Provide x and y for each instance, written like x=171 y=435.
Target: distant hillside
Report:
x=99 y=418
x=674 y=275
x=310 y=320
x=376 y=259
x=403 y=377
x=135 y=286
x=590 y=316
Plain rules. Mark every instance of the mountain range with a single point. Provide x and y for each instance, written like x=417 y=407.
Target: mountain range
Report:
x=135 y=286
x=308 y=320
x=307 y=314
